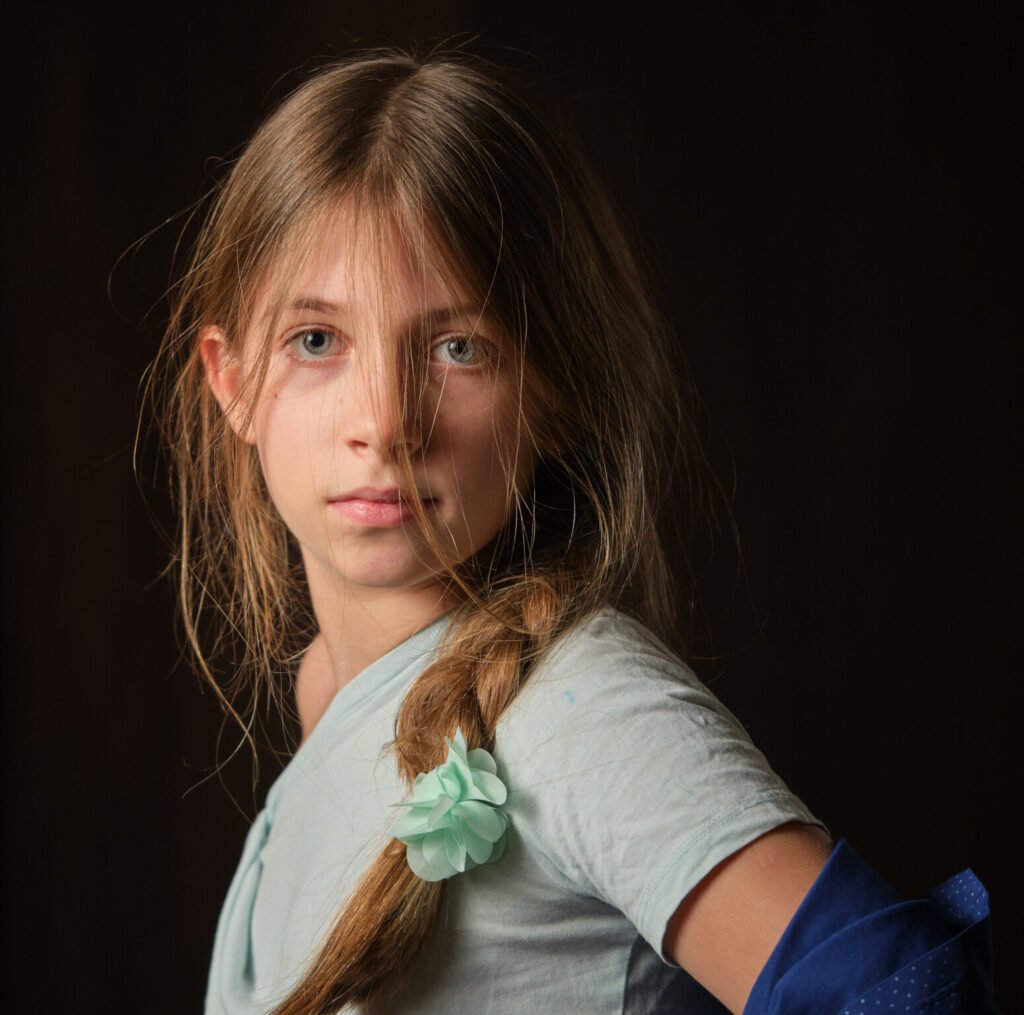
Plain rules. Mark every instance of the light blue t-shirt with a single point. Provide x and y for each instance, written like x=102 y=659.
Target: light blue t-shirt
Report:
x=628 y=782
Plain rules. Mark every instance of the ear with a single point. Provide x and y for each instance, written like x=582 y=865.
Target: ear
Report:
x=224 y=375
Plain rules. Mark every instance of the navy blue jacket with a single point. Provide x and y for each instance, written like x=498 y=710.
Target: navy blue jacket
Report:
x=856 y=946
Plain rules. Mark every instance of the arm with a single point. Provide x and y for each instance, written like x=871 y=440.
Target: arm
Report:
x=853 y=944
x=725 y=929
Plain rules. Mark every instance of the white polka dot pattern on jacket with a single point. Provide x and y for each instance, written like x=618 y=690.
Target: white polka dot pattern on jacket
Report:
x=934 y=984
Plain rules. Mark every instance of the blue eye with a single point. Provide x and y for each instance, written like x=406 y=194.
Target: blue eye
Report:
x=314 y=343
x=460 y=350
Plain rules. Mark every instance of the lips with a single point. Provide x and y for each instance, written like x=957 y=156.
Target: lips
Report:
x=372 y=494
x=376 y=508
x=378 y=496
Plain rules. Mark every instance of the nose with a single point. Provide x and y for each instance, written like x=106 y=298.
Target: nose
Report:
x=377 y=413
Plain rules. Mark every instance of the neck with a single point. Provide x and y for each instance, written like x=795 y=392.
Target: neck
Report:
x=359 y=625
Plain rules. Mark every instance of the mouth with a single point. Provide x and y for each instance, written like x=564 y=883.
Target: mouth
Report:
x=381 y=508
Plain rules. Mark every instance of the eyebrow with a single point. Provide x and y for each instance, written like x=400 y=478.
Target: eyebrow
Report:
x=321 y=306
x=317 y=305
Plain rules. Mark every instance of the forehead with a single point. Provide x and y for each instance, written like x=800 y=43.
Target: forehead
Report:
x=363 y=264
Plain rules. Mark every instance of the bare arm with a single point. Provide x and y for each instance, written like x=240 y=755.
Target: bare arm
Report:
x=726 y=928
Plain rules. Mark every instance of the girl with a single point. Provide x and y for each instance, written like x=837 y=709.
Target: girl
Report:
x=424 y=417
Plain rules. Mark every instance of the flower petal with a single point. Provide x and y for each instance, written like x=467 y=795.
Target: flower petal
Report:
x=451 y=784
x=499 y=848
x=433 y=847
x=487 y=822
x=458 y=768
x=453 y=821
x=439 y=811
x=411 y=823
x=487 y=787
x=457 y=745
x=456 y=854
x=477 y=847
x=425 y=869
x=427 y=787
x=481 y=760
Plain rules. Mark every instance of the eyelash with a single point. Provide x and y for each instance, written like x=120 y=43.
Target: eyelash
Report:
x=479 y=345
x=293 y=342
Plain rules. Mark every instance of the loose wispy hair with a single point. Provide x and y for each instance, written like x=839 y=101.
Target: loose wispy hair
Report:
x=499 y=204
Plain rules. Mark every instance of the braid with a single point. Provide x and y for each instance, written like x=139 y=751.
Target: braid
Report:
x=532 y=237
x=483 y=663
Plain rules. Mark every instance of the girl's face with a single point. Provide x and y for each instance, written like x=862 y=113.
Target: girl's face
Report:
x=327 y=443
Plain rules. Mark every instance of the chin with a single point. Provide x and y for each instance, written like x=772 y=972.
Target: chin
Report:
x=394 y=576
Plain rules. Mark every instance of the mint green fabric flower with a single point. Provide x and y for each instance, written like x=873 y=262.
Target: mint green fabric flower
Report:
x=453 y=821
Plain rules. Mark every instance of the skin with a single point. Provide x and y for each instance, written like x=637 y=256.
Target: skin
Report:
x=321 y=429
x=725 y=929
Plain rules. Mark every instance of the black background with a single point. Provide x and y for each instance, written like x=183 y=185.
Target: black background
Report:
x=824 y=188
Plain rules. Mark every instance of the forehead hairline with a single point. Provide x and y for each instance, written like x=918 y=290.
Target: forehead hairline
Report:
x=440 y=296
x=342 y=311
x=340 y=308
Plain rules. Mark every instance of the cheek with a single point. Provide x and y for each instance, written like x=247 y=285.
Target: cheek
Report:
x=270 y=423
x=285 y=436
x=481 y=442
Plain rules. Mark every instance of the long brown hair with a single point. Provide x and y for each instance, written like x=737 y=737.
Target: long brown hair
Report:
x=502 y=203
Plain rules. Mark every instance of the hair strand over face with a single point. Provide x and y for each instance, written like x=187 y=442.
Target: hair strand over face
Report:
x=492 y=200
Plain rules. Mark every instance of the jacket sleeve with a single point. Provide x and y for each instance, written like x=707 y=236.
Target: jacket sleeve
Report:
x=855 y=945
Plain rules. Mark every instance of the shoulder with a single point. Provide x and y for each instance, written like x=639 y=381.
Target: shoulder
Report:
x=610 y=629
x=629 y=775
x=612 y=671
x=610 y=695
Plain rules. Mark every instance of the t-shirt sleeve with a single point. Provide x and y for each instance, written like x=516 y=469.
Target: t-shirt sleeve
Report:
x=629 y=777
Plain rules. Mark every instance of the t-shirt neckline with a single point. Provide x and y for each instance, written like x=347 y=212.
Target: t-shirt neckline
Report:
x=366 y=686
x=370 y=680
